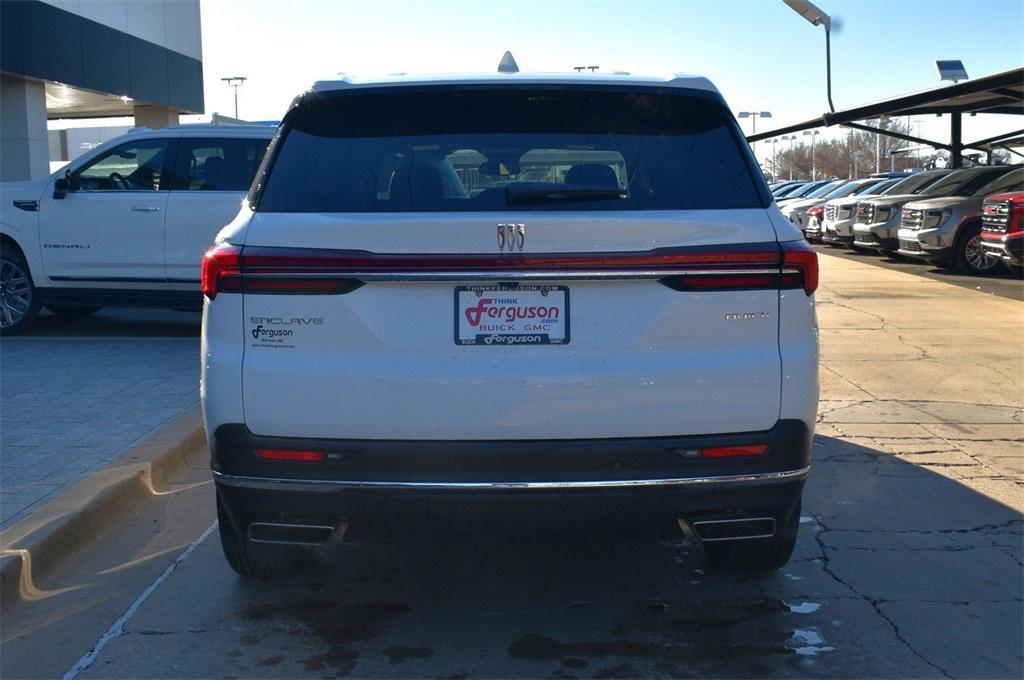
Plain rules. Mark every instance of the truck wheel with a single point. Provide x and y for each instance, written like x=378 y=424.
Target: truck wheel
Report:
x=19 y=303
x=73 y=311
x=258 y=560
x=970 y=257
x=1015 y=269
x=756 y=554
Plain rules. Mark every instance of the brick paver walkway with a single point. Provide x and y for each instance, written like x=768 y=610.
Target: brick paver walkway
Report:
x=69 y=406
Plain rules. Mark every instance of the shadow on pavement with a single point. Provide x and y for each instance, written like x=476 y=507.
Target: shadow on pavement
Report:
x=115 y=322
x=899 y=572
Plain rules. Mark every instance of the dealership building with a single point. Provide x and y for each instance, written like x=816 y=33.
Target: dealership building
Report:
x=65 y=59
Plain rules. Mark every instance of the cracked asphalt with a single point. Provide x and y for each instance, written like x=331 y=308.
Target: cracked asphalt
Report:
x=909 y=562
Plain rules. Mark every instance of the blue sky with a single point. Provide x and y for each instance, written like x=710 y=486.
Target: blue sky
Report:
x=759 y=52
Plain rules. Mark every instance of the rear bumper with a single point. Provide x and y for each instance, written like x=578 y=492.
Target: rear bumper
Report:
x=637 y=487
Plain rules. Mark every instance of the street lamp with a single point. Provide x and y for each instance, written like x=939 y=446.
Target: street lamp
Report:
x=235 y=82
x=790 y=138
x=818 y=18
x=775 y=162
x=754 y=115
x=812 y=134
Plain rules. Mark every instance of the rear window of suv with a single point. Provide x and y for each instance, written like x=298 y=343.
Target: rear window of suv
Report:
x=499 y=149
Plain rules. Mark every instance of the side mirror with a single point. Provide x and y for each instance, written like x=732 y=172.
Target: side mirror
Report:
x=61 y=187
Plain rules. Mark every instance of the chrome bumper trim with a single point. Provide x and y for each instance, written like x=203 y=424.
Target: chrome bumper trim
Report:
x=332 y=485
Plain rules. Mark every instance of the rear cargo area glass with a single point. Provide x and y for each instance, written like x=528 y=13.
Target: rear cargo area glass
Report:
x=481 y=149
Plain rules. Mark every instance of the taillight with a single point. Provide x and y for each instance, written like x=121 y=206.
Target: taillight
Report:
x=307 y=271
x=291 y=455
x=799 y=256
x=734 y=451
x=228 y=268
x=220 y=265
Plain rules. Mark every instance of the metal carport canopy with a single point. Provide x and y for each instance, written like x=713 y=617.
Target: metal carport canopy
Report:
x=997 y=93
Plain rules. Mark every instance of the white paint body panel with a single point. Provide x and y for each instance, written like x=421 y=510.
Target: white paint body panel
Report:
x=118 y=234
x=193 y=220
x=644 y=360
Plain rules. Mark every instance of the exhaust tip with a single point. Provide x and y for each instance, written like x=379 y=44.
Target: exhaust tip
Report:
x=744 y=528
x=290 y=533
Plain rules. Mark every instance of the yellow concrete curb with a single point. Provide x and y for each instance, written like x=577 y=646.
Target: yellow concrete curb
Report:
x=42 y=541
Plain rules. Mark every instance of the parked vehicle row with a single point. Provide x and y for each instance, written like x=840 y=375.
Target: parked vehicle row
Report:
x=937 y=216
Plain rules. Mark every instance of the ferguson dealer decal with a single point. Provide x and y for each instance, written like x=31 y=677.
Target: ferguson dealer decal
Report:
x=278 y=332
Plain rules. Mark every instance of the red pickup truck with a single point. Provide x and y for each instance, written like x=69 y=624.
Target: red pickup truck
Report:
x=1002 y=228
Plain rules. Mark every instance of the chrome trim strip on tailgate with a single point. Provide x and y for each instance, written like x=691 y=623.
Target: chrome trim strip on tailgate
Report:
x=331 y=485
x=512 y=275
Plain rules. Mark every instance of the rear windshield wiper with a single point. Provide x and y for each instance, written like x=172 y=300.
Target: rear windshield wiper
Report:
x=519 y=195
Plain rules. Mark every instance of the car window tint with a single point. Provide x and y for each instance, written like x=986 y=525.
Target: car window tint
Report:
x=483 y=149
x=132 y=166
x=222 y=164
x=915 y=183
x=825 y=189
x=1011 y=181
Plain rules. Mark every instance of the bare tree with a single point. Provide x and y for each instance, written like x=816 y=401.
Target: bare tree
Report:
x=842 y=157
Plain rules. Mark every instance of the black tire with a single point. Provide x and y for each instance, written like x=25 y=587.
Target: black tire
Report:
x=73 y=311
x=757 y=554
x=942 y=264
x=258 y=560
x=1015 y=269
x=19 y=303
x=970 y=257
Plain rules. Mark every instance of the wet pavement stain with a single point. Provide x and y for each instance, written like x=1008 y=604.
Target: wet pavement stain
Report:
x=623 y=670
x=248 y=640
x=403 y=654
x=677 y=639
x=270 y=661
x=342 y=659
x=335 y=623
x=575 y=662
x=540 y=648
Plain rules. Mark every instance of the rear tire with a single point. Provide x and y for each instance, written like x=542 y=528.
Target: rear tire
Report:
x=969 y=255
x=19 y=303
x=73 y=311
x=757 y=554
x=258 y=560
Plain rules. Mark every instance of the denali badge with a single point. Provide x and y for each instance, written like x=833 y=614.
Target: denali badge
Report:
x=511 y=236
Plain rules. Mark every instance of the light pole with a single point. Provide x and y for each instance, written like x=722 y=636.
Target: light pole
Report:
x=775 y=161
x=754 y=115
x=790 y=138
x=235 y=82
x=814 y=168
x=818 y=18
x=856 y=163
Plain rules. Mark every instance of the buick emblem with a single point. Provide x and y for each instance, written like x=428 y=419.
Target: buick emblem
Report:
x=511 y=237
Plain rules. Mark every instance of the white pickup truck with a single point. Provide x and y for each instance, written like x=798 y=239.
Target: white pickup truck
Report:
x=125 y=224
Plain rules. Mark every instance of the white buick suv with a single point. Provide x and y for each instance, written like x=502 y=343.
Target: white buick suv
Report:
x=509 y=303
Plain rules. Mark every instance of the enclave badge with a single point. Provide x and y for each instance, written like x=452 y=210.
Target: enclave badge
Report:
x=511 y=236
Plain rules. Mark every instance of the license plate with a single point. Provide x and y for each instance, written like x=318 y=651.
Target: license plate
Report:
x=511 y=315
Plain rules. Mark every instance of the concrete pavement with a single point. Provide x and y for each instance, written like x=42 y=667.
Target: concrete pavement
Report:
x=909 y=562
